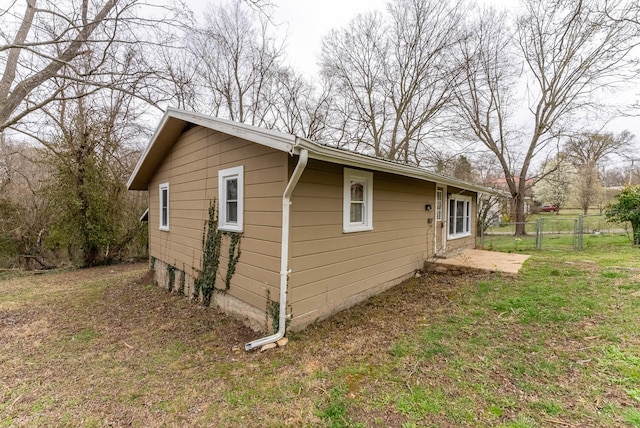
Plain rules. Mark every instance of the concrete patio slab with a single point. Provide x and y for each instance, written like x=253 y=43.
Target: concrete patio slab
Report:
x=493 y=261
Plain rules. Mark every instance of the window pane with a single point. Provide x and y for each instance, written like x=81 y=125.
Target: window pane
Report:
x=357 y=191
x=165 y=203
x=452 y=213
x=468 y=217
x=232 y=212
x=357 y=213
x=459 y=216
x=232 y=189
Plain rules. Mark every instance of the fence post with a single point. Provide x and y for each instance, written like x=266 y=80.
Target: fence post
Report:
x=580 y=227
x=539 y=233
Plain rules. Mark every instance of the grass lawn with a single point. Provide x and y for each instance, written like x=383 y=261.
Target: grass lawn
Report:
x=557 y=346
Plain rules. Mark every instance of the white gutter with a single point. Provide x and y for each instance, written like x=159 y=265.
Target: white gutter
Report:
x=284 y=253
x=345 y=157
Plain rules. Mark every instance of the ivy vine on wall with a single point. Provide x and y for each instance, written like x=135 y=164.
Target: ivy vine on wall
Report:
x=273 y=313
x=211 y=250
x=234 y=256
x=171 y=271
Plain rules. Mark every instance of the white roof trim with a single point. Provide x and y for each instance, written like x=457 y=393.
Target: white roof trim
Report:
x=267 y=137
x=286 y=143
x=274 y=139
x=344 y=157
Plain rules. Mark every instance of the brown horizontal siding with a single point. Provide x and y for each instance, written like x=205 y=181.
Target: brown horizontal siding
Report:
x=327 y=245
x=358 y=255
x=334 y=229
x=372 y=266
x=329 y=266
x=268 y=233
x=253 y=293
x=244 y=152
x=322 y=298
x=264 y=204
x=191 y=169
x=256 y=190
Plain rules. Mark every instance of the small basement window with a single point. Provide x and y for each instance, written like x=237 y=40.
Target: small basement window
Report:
x=357 y=200
x=164 y=206
x=231 y=197
x=459 y=216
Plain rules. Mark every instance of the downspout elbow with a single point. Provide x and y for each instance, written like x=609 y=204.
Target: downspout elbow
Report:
x=284 y=254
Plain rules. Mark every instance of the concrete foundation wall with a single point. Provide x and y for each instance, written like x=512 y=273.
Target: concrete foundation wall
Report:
x=249 y=315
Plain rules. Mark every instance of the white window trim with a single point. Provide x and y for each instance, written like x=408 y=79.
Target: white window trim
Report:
x=162 y=187
x=367 y=178
x=439 y=203
x=223 y=175
x=467 y=221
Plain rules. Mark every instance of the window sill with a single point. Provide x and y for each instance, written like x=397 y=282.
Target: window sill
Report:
x=164 y=228
x=454 y=237
x=229 y=228
x=357 y=229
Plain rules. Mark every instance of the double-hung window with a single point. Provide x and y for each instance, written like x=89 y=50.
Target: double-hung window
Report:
x=438 y=204
x=459 y=216
x=164 y=206
x=231 y=199
x=357 y=200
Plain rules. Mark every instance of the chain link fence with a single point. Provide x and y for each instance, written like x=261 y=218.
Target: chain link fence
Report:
x=551 y=232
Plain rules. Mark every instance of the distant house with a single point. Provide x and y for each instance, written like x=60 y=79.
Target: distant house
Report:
x=500 y=185
x=297 y=230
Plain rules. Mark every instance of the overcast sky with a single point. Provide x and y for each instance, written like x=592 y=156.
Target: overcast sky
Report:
x=306 y=21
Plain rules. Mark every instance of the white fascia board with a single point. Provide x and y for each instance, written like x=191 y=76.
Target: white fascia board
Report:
x=147 y=149
x=266 y=137
x=273 y=139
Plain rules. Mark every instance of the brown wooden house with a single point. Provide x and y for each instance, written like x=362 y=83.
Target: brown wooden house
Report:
x=312 y=229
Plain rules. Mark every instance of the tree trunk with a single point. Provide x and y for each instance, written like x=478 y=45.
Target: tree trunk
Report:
x=519 y=217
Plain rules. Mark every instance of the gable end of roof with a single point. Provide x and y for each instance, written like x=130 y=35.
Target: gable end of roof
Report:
x=175 y=121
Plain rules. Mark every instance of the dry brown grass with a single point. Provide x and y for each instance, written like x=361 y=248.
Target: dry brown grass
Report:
x=101 y=347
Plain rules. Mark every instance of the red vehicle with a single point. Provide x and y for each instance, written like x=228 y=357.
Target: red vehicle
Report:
x=547 y=208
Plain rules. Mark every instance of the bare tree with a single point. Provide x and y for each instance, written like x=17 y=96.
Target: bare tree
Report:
x=25 y=215
x=570 y=49
x=238 y=65
x=179 y=80
x=301 y=109
x=586 y=151
x=51 y=37
x=590 y=148
x=393 y=76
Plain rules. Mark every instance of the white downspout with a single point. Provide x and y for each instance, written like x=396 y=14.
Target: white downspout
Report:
x=284 y=253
